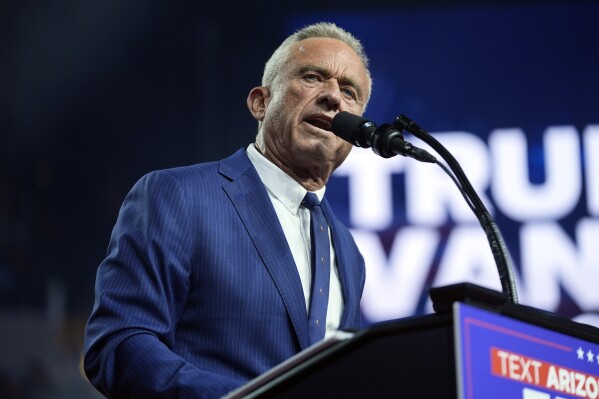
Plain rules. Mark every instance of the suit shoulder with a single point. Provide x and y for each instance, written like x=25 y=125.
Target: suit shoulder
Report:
x=204 y=176
x=186 y=173
x=176 y=181
x=201 y=171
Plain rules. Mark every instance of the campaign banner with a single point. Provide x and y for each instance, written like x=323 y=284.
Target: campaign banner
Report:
x=498 y=357
x=510 y=89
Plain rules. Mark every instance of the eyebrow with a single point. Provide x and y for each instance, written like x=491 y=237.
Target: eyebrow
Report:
x=325 y=72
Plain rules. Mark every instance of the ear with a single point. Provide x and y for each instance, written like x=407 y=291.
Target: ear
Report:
x=257 y=101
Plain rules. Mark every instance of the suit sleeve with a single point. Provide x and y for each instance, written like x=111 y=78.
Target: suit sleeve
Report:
x=141 y=289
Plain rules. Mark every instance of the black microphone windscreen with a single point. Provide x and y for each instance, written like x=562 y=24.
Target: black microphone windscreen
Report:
x=346 y=125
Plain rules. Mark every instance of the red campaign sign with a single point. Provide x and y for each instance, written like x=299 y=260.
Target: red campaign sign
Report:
x=543 y=374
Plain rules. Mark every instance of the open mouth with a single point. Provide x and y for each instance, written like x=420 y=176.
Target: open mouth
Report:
x=320 y=121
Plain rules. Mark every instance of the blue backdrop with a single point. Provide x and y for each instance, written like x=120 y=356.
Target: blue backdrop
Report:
x=513 y=92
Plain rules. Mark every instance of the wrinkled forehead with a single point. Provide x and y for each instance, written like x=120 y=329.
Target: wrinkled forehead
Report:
x=330 y=54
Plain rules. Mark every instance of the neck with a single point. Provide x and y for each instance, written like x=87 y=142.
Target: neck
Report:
x=312 y=179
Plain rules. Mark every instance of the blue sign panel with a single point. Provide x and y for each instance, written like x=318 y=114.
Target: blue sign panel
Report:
x=502 y=358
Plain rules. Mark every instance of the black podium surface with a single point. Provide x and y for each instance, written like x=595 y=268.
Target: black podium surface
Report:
x=414 y=357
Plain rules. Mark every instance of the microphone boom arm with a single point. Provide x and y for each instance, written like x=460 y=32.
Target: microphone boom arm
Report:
x=494 y=237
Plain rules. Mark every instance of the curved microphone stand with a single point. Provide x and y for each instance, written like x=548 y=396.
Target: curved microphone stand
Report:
x=496 y=242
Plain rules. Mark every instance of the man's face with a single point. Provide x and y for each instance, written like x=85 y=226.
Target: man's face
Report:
x=322 y=77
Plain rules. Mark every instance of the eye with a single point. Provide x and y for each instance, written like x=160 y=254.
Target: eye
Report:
x=349 y=92
x=311 y=77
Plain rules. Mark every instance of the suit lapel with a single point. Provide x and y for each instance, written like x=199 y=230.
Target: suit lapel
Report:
x=249 y=197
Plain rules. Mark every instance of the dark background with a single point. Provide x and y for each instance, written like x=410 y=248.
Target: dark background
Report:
x=94 y=94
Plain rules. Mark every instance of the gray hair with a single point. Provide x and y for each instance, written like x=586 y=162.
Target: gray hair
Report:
x=322 y=30
x=278 y=59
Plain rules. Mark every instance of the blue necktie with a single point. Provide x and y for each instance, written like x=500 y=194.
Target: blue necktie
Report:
x=321 y=268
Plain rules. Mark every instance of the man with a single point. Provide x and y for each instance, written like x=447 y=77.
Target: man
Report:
x=207 y=281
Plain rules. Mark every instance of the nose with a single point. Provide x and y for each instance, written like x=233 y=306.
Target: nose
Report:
x=330 y=95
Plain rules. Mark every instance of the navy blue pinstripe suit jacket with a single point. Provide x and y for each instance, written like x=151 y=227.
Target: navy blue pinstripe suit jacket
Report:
x=199 y=291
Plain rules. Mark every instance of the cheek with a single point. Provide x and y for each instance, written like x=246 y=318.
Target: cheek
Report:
x=298 y=95
x=345 y=147
x=355 y=109
x=273 y=111
x=281 y=106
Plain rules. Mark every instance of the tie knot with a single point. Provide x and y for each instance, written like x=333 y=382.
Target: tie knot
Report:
x=310 y=200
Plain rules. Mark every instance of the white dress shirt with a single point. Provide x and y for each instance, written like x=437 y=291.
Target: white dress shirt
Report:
x=286 y=195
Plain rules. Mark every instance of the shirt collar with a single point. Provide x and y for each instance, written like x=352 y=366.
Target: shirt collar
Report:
x=278 y=183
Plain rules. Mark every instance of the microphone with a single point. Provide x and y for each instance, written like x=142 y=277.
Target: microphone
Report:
x=386 y=140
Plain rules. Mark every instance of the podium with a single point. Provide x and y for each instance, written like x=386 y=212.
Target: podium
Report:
x=475 y=346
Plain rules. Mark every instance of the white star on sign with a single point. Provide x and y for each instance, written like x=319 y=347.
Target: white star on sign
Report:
x=580 y=353
x=590 y=356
